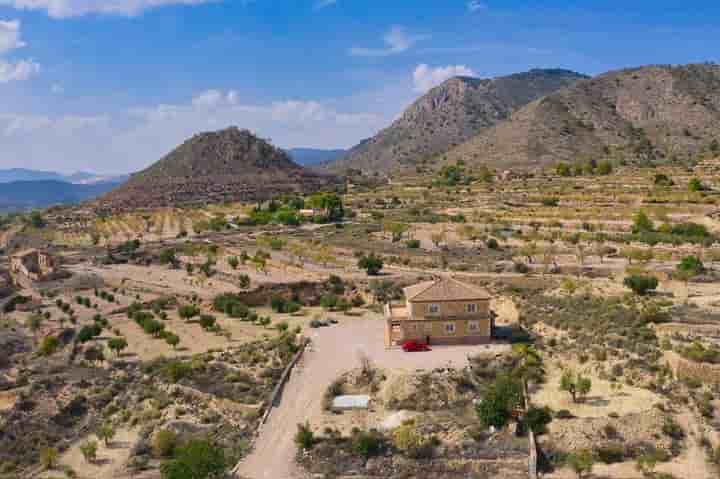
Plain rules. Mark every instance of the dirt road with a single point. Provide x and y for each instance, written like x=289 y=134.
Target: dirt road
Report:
x=334 y=350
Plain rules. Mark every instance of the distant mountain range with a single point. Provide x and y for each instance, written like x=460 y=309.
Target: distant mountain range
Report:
x=314 y=156
x=26 y=195
x=80 y=177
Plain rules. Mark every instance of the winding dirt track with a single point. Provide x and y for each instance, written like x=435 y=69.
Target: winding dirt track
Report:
x=333 y=351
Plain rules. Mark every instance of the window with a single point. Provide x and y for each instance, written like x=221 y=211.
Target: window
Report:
x=472 y=308
x=473 y=326
x=434 y=309
x=428 y=327
x=450 y=328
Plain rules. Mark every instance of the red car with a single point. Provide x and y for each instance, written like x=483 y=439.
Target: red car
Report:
x=415 y=347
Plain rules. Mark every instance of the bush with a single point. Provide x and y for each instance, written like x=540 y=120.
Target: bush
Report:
x=48 y=346
x=164 y=443
x=175 y=370
x=412 y=244
x=492 y=243
x=641 y=285
x=500 y=399
x=367 y=444
x=304 y=437
x=536 y=419
x=48 y=457
x=371 y=263
x=207 y=322
x=89 y=450
x=407 y=439
x=550 y=201
x=611 y=453
x=188 y=311
x=198 y=459
x=88 y=332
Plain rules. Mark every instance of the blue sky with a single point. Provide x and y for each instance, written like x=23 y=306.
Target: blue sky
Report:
x=111 y=85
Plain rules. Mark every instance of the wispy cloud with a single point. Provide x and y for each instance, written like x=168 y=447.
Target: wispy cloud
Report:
x=10 y=40
x=76 y=8
x=320 y=4
x=396 y=41
x=425 y=77
x=475 y=5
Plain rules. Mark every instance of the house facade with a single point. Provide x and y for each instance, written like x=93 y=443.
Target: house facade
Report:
x=441 y=311
x=32 y=265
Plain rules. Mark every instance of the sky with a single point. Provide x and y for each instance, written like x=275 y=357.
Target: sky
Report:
x=112 y=85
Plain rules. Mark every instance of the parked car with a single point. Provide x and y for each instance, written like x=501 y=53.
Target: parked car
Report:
x=415 y=347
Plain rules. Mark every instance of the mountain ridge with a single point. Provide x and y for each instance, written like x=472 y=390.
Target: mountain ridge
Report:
x=653 y=113
x=448 y=115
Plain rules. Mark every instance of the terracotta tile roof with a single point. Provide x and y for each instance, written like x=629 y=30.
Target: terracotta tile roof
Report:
x=444 y=289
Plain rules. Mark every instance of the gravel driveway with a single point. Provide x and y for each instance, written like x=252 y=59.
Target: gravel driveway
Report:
x=334 y=350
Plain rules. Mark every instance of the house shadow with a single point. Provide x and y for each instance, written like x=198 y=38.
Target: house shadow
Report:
x=596 y=401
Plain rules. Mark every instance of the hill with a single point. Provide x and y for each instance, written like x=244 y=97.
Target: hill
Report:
x=23 y=174
x=22 y=195
x=314 y=156
x=226 y=165
x=448 y=115
x=644 y=115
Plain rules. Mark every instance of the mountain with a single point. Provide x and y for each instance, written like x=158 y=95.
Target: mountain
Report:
x=313 y=156
x=450 y=114
x=22 y=195
x=225 y=165
x=648 y=114
x=22 y=174
x=80 y=177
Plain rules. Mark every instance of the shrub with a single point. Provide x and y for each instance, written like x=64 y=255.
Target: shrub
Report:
x=500 y=399
x=581 y=462
x=89 y=450
x=164 y=443
x=48 y=457
x=641 y=285
x=550 y=201
x=175 y=370
x=188 y=311
x=304 y=437
x=492 y=243
x=198 y=459
x=407 y=439
x=48 y=346
x=412 y=244
x=367 y=444
x=207 y=322
x=611 y=453
x=536 y=419
x=371 y=263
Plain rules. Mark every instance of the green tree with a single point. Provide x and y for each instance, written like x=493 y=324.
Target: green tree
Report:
x=244 y=281
x=164 y=443
x=233 y=261
x=604 y=167
x=576 y=384
x=642 y=223
x=89 y=450
x=536 y=419
x=501 y=399
x=641 y=285
x=106 y=433
x=197 y=459
x=172 y=339
x=371 y=263
x=563 y=169
x=167 y=256
x=116 y=345
x=691 y=265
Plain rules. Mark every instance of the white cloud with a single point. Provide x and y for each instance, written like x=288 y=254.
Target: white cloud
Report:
x=324 y=3
x=57 y=88
x=425 y=77
x=17 y=71
x=9 y=41
x=74 y=8
x=475 y=5
x=10 y=36
x=396 y=41
x=131 y=140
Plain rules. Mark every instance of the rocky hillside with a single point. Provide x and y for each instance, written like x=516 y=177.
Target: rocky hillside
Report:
x=649 y=114
x=448 y=115
x=226 y=165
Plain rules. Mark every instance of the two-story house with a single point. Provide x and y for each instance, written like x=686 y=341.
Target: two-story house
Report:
x=442 y=311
